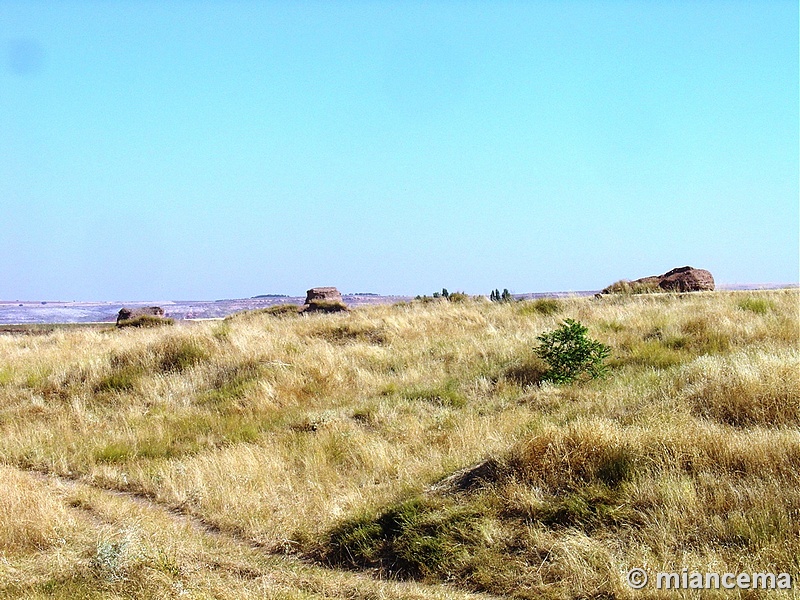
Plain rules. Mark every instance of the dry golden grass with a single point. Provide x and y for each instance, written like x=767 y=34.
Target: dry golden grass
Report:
x=284 y=432
x=31 y=518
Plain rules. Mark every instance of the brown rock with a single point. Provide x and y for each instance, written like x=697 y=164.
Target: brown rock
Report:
x=682 y=279
x=687 y=279
x=324 y=299
x=126 y=314
x=325 y=294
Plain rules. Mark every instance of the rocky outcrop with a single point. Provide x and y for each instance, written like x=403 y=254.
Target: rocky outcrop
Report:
x=325 y=294
x=128 y=314
x=687 y=279
x=324 y=299
x=682 y=279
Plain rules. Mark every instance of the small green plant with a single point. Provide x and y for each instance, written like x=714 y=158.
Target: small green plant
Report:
x=570 y=355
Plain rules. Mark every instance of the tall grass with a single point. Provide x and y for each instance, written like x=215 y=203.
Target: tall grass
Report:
x=332 y=437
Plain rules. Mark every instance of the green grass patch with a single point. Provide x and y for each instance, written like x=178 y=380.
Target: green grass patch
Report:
x=414 y=539
x=629 y=288
x=6 y=375
x=541 y=306
x=588 y=508
x=351 y=333
x=651 y=353
x=174 y=436
x=760 y=306
x=231 y=384
x=145 y=321
x=121 y=379
x=446 y=394
x=278 y=310
x=179 y=354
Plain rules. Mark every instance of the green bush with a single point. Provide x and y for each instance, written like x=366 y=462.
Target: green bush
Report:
x=570 y=355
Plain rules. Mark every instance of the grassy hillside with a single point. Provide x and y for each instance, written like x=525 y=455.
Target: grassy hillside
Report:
x=401 y=452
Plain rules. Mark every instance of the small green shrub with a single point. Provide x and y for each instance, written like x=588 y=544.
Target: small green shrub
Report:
x=569 y=354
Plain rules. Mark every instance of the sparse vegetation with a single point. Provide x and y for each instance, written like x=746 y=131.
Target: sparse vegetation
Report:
x=458 y=297
x=424 y=443
x=146 y=321
x=444 y=295
x=760 y=306
x=541 y=306
x=325 y=306
x=277 y=310
x=623 y=286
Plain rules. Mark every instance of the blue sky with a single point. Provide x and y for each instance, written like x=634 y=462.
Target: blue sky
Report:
x=204 y=150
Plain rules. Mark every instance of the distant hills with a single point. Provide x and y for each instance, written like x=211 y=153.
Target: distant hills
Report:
x=20 y=312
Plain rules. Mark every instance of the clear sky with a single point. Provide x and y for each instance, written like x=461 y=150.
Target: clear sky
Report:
x=206 y=150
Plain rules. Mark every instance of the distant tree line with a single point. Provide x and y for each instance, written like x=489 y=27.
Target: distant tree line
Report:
x=496 y=296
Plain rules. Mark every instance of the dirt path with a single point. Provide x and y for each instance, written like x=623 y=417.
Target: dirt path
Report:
x=287 y=569
x=144 y=501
